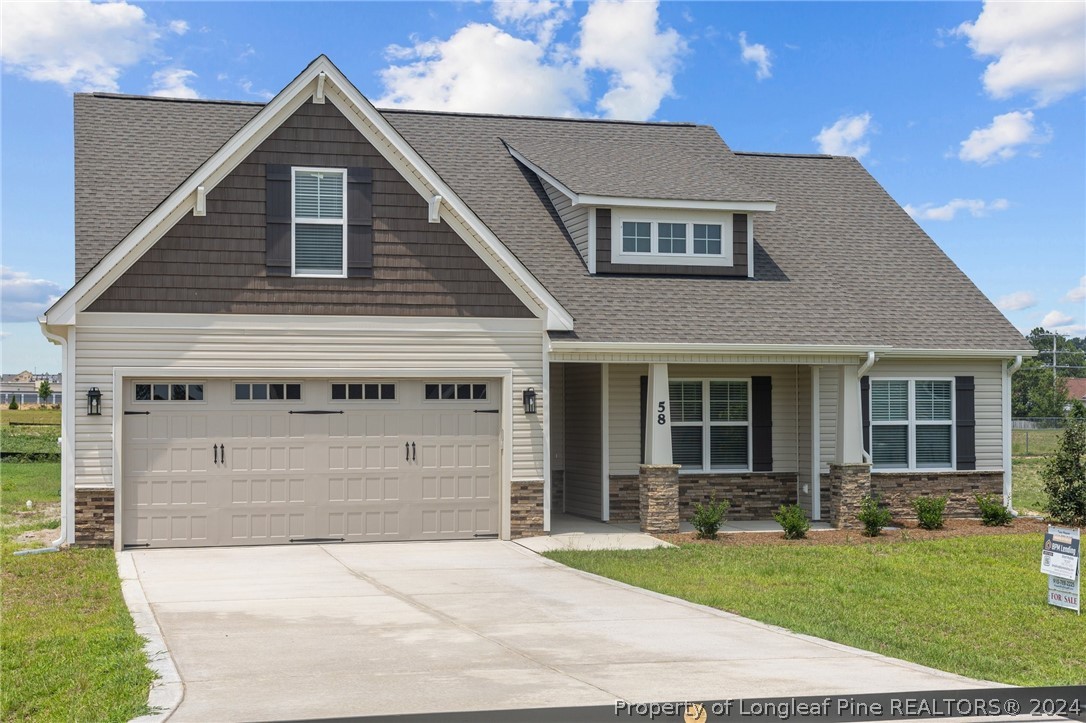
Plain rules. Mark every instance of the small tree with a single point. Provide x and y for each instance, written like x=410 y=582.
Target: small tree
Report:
x=1064 y=473
x=44 y=390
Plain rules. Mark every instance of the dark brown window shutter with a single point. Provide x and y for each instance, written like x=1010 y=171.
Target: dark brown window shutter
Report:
x=277 y=251
x=359 y=222
x=761 y=423
x=965 y=423
x=865 y=411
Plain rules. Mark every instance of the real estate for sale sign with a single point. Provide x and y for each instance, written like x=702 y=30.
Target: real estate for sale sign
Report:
x=1060 y=560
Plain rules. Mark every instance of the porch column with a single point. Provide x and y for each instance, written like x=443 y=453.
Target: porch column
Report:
x=658 y=419
x=850 y=475
x=659 y=478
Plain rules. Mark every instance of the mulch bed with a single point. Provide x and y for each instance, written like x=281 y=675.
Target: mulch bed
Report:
x=906 y=531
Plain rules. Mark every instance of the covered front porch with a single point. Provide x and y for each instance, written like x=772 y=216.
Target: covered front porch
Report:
x=638 y=441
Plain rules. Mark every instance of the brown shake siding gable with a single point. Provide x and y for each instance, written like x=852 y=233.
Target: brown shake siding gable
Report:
x=216 y=263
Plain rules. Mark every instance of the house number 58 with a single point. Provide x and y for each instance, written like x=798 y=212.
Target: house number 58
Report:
x=661 y=416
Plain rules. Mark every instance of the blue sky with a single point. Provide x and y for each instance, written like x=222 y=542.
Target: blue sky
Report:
x=970 y=115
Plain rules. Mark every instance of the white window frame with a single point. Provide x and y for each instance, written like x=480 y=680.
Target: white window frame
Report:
x=913 y=423
x=654 y=256
x=470 y=382
x=707 y=425
x=170 y=384
x=294 y=221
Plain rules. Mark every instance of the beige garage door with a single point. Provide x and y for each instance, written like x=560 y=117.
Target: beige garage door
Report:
x=250 y=462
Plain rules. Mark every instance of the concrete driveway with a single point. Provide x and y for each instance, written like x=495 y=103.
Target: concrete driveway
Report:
x=336 y=630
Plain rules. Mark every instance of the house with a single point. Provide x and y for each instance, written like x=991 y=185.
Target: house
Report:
x=1076 y=388
x=23 y=388
x=314 y=320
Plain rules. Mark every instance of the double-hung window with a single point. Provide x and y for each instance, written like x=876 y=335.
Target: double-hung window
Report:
x=912 y=423
x=319 y=221
x=713 y=435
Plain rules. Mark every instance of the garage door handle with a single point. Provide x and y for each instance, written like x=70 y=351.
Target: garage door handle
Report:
x=137 y=412
x=222 y=452
x=413 y=457
x=406 y=451
x=316 y=411
x=215 y=449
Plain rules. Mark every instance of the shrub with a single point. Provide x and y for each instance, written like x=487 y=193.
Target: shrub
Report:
x=793 y=520
x=873 y=515
x=13 y=404
x=992 y=511
x=930 y=511
x=1064 y=476
x=707 y=519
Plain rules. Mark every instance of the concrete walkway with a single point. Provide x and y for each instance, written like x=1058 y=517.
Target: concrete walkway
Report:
x=337 y=630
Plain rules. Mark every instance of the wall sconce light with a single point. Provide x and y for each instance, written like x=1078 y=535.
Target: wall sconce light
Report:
x=94 y=402
x=529 y=401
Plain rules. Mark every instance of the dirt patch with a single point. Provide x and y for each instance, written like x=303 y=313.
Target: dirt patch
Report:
x=43 y=537
x=903 y=532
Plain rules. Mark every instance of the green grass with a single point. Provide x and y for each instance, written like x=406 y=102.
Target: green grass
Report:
x=70 y=651
x=30 y=416
x=1029 y=488
x=975 y=606
x=1033 y=442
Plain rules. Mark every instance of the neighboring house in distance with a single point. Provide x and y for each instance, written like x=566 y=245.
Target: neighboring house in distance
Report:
x=1076 y=388
x=23 y=388
x=313 y=319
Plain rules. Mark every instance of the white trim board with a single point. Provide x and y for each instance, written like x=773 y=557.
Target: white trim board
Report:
x=377 y=130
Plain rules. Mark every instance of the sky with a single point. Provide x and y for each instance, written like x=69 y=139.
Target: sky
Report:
x=971 y=115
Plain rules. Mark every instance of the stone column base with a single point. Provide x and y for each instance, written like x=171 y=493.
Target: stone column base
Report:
x=849 y=484
x=94 y=517
x=659 y=497
x=526 y=509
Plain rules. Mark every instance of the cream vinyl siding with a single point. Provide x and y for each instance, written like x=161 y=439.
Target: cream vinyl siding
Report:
x=803 y=437
x=574 y=219
x=988 y=401
x=625 y=417
x=584 y=469
x=128 y=340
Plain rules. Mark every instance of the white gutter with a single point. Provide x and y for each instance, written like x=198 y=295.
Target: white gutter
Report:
x=1008 y=437
x=884 y=352
x=67 y=437
x=860 y=375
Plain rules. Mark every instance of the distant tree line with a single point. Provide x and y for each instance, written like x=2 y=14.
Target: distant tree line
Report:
x=1039 y=388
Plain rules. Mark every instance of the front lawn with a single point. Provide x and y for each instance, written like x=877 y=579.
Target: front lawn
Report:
x=1029 y=488
x=975 y=606
x=70 y=651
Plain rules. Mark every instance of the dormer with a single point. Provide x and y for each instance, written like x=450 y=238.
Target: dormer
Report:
x=652 y=199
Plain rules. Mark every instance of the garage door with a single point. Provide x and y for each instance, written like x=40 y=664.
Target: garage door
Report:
x=250 y=462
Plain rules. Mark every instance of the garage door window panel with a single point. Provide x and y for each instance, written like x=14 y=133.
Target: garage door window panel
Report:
x=267 y=392
x=363 y=392
x=454 y=391
x=168 y=392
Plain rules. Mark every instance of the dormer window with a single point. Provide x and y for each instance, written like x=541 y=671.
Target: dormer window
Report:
x=691 y=238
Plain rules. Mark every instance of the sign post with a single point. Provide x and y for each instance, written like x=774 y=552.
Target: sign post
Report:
x=1061 y=561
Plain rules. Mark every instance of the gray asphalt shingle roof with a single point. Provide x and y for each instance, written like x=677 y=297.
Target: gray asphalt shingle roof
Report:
x=838 y=262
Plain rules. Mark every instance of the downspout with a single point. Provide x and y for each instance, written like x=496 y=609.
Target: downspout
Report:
x=1008 y=372
x=860 y=375
x=67 y=435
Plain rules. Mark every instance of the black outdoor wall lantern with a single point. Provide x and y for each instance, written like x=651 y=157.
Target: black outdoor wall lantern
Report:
x=94 y=402
x=529 y=401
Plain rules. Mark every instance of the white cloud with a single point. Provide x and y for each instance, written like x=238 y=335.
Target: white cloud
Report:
x=247 y=85
x=1079 y=292
x=484 y=68
x=1039 y=48
x=81 y=45
x=173 y=83
x=1018 y=301
x=1056 y=319
x=623 y=39
x=25 y=298
x=1000 y=141
x=975 y=206
x=178 y=27
x=846 y=137
x=541 y=17
x=758 y=54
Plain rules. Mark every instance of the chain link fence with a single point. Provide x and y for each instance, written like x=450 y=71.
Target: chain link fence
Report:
x=1036 y=436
